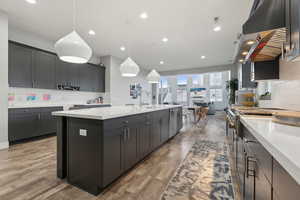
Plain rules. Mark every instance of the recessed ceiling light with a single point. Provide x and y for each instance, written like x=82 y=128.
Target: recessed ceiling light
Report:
x=245 y=53
x=144 y=15
x=122 y=48
x=31 y=1
x=92 y=32
x=203 y=57
x=217 y=26
x=250 y=42
x=161 y=62
x=165 y=39
x=241 y=60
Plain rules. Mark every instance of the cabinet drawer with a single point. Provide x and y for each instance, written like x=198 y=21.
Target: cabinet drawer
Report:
x=124 y=121
x=285 y=187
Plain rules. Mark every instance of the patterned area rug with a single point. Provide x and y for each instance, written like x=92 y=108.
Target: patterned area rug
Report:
x=204 y=174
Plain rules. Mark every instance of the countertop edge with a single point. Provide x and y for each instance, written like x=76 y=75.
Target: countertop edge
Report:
x=286 y=163
x=82 y=116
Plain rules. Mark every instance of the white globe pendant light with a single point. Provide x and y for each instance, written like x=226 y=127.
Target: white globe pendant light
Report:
x=72 y=48
x=129 y=68
x=153 y=77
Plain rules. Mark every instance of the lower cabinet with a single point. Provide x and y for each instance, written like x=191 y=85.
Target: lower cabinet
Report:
x=260 y=176
x=25 y=123
x=284 y=186
x=113 y=140
x=115 y=146
x=83 y=163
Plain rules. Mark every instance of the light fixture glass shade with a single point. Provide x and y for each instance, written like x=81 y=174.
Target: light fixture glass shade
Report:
x=72 y=48
x=153 y=77
x=129 y=68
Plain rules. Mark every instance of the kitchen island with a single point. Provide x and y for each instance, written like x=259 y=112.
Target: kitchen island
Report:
x=96 y=146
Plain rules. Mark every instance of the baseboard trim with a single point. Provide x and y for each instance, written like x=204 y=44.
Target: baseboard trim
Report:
x=4 y=145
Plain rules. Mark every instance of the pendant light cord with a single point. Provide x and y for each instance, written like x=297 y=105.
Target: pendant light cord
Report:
x=74 y=15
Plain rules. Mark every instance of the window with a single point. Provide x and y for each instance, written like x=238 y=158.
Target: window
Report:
x=182 y=80
x=197 y=80
x=182 y=96
x=216 y=95
x=215 y=79
x=163 y=82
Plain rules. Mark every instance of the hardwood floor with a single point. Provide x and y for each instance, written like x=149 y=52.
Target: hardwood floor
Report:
x=28 y=171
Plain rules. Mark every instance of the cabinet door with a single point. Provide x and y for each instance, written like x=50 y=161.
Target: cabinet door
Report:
x=263 y=189
x=20 y=66
x=165 y=126
x=22 y=125
x=84 y=153
x=130 y=147
x=44 y=70
x=144 y=132
x=156 y=128
x=88 y=78
x=67 y=73
x=47 y=122
x=284 y=185
x=101 y=79
x=112 y=154
x=179 y=119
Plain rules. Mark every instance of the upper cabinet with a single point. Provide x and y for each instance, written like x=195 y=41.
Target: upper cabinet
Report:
x=292 y=46
x=20 y=66
x=92 y=78
x=43 y=70
x=33 y=68
x=265 y=70
x=67 y=73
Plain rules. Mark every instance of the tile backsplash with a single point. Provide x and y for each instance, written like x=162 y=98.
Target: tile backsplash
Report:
x=29 y=96
x=285 y=94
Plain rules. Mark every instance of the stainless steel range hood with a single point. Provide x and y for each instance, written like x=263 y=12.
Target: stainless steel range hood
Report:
x=265 y=15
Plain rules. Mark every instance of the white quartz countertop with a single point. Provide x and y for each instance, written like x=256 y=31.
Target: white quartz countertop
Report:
x=112 y=112
x=37 y=105
x=281 y=141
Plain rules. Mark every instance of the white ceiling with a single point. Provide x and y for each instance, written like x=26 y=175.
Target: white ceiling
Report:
x=187 y=23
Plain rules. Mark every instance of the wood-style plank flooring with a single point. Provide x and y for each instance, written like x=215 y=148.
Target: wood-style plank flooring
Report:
x=28 y=171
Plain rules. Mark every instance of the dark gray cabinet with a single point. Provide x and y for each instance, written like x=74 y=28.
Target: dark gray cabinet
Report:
x=284 y=186
x=67 y=73
x=260 y=176
x=165 y=116
x=83 y=164
x=246 y=76
x=43 y=70
x=34 y=68
x=25 y=123
x=144 y=132
x=92 y=78
x=112 y=154
x=20 y=66
x=107 y=148
x=293 y=29
x=265 y=70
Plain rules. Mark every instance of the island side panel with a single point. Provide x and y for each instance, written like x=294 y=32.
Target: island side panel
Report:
x=61 y=147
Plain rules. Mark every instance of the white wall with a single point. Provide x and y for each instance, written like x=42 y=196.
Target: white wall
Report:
x=118 y=86
x=3 y=80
